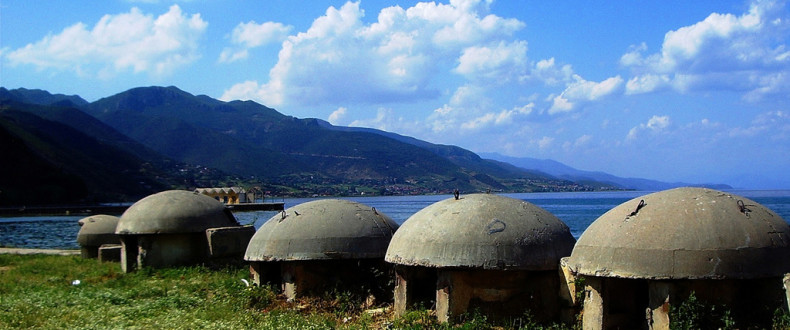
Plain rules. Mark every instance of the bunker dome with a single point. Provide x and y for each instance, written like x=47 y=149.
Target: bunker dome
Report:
x=178 y=227
x=319 y=243
x=95 y=231
x=174 y=211
x=493 y=253
x=724 y=247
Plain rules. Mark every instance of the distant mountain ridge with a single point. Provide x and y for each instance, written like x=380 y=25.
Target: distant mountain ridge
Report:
x=561 y=170
x=169 y=131
x=257 y=140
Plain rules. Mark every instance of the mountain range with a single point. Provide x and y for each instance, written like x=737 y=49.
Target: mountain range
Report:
x=146 y=139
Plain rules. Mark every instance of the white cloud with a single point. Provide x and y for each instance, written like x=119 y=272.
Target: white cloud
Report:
x=495 y=63
x=117 y=43
x=545 y=142
x=337 y=115
x=250 y=35
x=548 y=72
x=646 y=83
x=773 y=125
x=387 y=120
x=396 y=58
x=724 y=51
x=582 y=91
x=654 y=125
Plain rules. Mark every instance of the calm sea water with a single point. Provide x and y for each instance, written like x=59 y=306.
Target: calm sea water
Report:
x=577 y=210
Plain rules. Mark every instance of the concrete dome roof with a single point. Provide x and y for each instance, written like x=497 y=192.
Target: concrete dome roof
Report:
x=174 y=211
x=685 y=233
x=97 y=229
x=482 y=231
x=323 y=229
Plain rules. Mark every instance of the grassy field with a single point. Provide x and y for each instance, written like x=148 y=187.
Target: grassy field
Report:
x=68 y=292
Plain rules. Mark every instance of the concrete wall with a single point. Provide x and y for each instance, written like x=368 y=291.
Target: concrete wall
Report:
x=648 y=304
x=162 y=250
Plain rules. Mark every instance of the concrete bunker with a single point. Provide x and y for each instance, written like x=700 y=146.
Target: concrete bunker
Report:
x=321 y=245
x=178 y=227
x=494 y=254
x=95 y=231
x=649 y=254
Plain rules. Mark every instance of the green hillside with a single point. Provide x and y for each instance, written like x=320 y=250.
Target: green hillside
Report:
x=153 y=138
x=48 y=162
x=254 y=140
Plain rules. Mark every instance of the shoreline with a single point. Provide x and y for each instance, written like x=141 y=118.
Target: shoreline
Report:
x=24 y=251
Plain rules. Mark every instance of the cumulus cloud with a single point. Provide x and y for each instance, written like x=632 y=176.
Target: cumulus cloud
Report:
x=340 y=58
x=655 y=124
x=117 y=43
x=582 y=91
x=742 y=53
x=337 y=115
x=580 y=142
x=387 y=120
x=498 y=62
x=545 y=142
x=250 y=35
x=774 y=125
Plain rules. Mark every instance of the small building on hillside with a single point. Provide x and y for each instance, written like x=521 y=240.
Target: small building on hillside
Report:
x=228 y=195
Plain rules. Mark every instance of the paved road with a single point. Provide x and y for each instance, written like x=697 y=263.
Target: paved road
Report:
x=39 y=251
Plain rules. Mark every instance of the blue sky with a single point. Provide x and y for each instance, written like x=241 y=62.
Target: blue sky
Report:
x=693 y=91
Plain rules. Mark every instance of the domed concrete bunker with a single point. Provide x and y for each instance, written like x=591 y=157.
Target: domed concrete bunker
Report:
x=652 y=252
x=178 y=227
x=319 y=244
x=95 y=231
x=491 y=253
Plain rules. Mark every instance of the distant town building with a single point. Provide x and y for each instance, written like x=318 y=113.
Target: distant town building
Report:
x=230 y=195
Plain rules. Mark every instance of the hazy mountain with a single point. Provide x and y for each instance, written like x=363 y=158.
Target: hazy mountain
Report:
x=569 y=173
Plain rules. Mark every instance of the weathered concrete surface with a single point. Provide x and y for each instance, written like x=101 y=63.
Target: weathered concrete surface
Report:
x=482 y=231
x=496 y=293
x=229 y=241
x=691 y=233
x=413 y=286
x=323 y=230
x=594 y=305
x=162 y=250
x=786 y=286
x=40 y=251
x=110 y=252
x=262 y=273
x=315 y=277
x=569 y=306
x=659 y=293
x=613 y=302
x=174 y=211
x=94 y=231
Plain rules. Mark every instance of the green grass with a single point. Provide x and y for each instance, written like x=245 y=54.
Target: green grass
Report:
x=39 y=291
